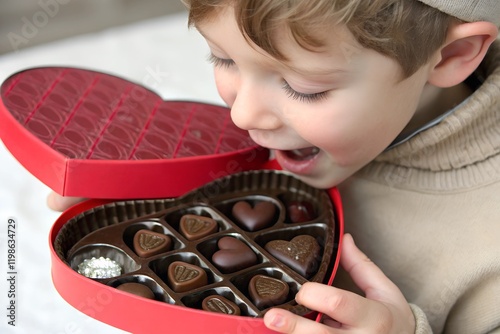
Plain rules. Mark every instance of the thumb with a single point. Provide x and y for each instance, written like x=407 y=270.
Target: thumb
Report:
x=365 y=274
x=59 y=203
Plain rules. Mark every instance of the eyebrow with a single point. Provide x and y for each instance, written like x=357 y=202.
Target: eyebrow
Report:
x=301 y=71
x=315 y=71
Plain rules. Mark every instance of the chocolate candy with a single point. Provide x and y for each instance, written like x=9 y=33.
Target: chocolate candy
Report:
x=137 y=289
x=267 y=291
x=148 y=243
x=184 y=276
x=233 y=255
x=224 y=262
x=254 y=218
x=219 y=304
x=300 y=211
x=302 y=253
x=195 y=227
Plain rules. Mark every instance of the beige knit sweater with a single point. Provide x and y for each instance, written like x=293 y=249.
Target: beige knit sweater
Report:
x=428 y=213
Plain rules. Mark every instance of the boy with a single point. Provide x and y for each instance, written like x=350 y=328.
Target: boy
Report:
x=396 y=102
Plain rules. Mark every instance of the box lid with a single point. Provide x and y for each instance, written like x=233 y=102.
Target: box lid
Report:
x=90 y=134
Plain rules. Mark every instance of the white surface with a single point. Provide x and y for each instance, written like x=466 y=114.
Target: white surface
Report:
x=162 y=53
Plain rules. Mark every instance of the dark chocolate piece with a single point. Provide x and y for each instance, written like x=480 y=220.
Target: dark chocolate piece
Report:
x=148 y=243
x=302 y=253
x=267 y=291
x=195 y=227
x=233 y=255
x=300 y=211
x=137 y=289
x=254 y=218
x=184 y=276
x=219 y=304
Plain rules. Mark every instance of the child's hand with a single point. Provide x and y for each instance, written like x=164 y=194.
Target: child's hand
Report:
x=59 y=203
x=384 y=310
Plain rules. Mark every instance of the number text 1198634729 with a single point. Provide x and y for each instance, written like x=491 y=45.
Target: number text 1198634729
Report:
x=11 y=271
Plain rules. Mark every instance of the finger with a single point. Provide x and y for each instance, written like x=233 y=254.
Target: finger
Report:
x=330 y=322
x=366 y=274
x=284 y=321
x=59 y=203
x=343 y=306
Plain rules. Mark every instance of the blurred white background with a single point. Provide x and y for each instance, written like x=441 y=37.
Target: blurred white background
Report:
x=26 y=23
x=137 y=40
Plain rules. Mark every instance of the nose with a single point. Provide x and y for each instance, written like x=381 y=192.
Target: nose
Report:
x=254 y=109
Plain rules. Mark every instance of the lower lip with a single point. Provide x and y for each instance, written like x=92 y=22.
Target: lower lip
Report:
x=302 y=167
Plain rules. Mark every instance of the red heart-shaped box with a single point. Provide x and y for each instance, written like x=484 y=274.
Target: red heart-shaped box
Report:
x=95 y=135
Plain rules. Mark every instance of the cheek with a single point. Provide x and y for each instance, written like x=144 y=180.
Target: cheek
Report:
x=354 y=130
x=346 y=134
x=225 y=86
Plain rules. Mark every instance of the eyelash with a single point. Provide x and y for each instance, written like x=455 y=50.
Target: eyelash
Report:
x=293 y=94
x=302 y=97
x=220 y=62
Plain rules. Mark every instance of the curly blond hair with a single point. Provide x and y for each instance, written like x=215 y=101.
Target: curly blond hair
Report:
x=407 y=31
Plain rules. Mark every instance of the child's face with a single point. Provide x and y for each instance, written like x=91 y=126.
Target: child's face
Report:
x=326 y=114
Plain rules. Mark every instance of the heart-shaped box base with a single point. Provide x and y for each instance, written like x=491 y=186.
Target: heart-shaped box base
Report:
x=140 y=315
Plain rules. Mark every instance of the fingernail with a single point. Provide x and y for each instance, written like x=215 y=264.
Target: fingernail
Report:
x=278 y=321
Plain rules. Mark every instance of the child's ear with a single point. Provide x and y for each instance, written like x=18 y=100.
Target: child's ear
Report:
x=465 y=47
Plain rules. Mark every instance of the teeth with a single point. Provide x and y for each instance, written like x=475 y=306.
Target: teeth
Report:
x=304 y=153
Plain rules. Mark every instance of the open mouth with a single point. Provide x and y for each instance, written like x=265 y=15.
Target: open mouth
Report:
x=302 y=154
x=299 y=161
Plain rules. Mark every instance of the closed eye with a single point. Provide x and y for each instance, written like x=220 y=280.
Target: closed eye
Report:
x=303 y=97
x=220 y=62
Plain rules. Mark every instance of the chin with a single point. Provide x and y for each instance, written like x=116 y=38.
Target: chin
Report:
x=319 y=182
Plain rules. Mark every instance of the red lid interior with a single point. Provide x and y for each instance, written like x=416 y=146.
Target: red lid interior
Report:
x=91 y=134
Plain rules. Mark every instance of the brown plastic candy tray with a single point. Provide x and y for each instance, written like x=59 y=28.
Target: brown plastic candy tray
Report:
x=109 y=232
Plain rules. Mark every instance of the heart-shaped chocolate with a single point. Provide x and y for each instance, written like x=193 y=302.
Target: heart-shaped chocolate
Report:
x=148 y=243
x=254 y=218
x=302 y=253
x=300 y=211
x=184 y=276
x=219 y=304
x=267 y=291
x=233 y=255
x=195 y=227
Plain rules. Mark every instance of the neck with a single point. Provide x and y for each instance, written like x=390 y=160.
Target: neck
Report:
x=435 y=102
